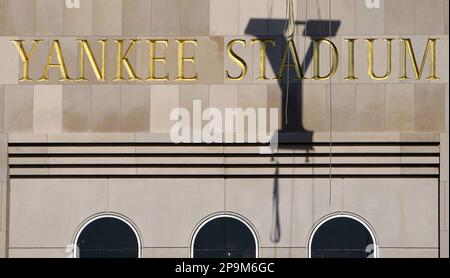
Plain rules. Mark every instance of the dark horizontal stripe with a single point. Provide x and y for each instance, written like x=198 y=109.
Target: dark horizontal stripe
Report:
x=206 y=176
x=223 y=155
x=240 y=165
x=168 y=144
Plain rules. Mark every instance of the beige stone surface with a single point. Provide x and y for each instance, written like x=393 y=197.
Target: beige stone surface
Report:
x=249 y=9
x=163 y=24
x=153 y=252
x=402 y=221
x=430 y=107
x=105 y=108
x=443 y=202
x=277 y=10
x=408 y=253
x=185 y=206
x=343 y=107
x=164 y=98
x=209 y=57
x=189 y=94
x=27 y=200
x=2 y=16
x=400 y=17
x=18 y=103
x=39 y=253
x=76 y=108
x=136 y=17
x=3 y=250
x=24 y=23
x=9 y=71
x=444 y=244
x=47 y=108
x=444 y=160
x=283 y=252
x=369 y=21
x=49 y=17
x=78 y=22
x=2 y=101
x=446 y=17
x=107 y=17
x=135 y=108
x=194 y=17
x=223 y=19
x=344 y=11
x=370 y=107
x=316 y=107
x=400 y=115
x=429 y=17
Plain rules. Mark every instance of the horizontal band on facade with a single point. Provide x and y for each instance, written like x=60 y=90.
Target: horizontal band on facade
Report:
x=161 y=144
x=219 y=176
x=226 y=161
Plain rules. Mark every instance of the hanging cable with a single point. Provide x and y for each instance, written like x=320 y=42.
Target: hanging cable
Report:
x=330 y=111
x=289 y=31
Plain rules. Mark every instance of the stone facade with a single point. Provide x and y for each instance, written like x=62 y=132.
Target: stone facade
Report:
x=40 y=211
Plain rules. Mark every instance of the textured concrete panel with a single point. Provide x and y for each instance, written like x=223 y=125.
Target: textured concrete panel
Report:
x=165 y=252
x=370 y=107
x=76 y=108
x=194 y=18
x=105 y=108
x=430 y=107
x=18 y=103
x=9 y=71
x=163 y=24
x=164 y=98
x=408 y=253
x=223 y=17
x=19 y=17
x=107 y=17
x=369 y=21
x=136 y=17
x=429 y=17
x=400 y=113
x=47 y=108
x=78 y=22
x=135 y=108
x=49 y=17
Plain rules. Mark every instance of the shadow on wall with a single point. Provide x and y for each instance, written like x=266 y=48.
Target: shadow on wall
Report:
x=292 y=130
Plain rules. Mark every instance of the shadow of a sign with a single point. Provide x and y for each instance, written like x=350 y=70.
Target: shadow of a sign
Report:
x=292 y=130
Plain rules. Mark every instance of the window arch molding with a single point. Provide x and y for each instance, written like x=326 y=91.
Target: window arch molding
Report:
x=352 y=216
x=124 y=219
x=231 y=215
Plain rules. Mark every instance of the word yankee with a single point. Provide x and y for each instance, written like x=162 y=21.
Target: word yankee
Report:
x=186 y=60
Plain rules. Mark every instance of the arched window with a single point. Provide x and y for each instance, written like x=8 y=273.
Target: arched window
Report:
x=342 y=236
x=107 y=236
x=224 y=236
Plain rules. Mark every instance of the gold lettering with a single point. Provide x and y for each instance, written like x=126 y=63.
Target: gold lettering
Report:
x=25 y=57
x=123 y=60
x=262 y=56
x=351 y=59
x=290 y=49
x=152 y=59
x=370 y=59
x=61 y=64
x=182 y=60
x=238 y=60
x=85 y=48
x=431 y=45
x=316 y=55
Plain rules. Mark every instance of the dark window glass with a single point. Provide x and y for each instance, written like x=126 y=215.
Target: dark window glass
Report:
x=224 y=237
x=342 y=237
x=108 y=237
